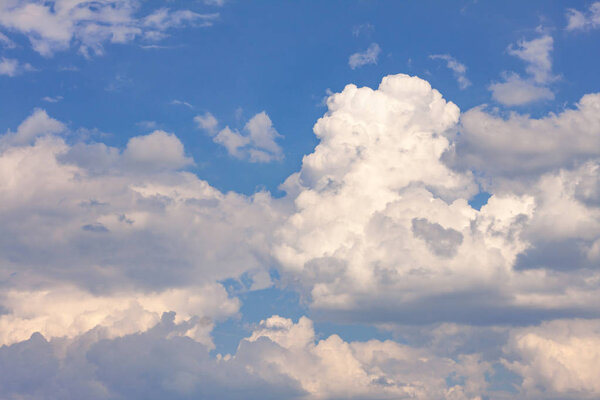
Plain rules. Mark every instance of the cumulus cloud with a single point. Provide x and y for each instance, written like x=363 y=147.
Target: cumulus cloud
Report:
x=369 y=56
x=459 y=70
x=580 y=21
x=98 y=236
x=12 y=67
x=57 y=25
x=207 y=122
x=516 y=90
x=157 y=150
x=382 y=230
x=557 y=359
x=258 y=144
x=98 y=242
x=37 y=124
x=520 y=145
x=281 y=359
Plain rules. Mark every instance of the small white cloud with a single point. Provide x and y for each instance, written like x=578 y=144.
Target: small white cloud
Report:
x=233 y=141
x=536 y=53
x=207 y=122
x=181 y=103
x=516 y=90
x=578 y=21
x=49 y=99
x=160 y=150
x=368 y=56
x=459 y=69
x=258 y=144
x=12 y=67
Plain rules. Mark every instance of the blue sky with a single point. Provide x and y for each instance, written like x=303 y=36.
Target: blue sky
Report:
x=399 y=197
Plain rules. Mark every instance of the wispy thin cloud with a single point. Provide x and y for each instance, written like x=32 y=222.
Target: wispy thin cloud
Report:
x=459 y=69
x=369 y=56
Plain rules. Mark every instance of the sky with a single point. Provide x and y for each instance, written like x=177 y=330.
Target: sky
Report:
x=299 y=200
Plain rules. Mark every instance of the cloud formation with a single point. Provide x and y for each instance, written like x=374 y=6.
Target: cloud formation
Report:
x=516 y=90
x=582 y=21
x=59 y=24
x=459 y=70
x=13 y=67
x=258 y=144
x=116 y=256
x=369 y=56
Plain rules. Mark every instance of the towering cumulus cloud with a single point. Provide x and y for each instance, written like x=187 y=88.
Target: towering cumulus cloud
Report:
x=382 y=229
x=112 y=261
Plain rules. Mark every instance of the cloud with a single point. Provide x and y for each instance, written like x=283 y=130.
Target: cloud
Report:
x=516 y=90
x=207 y=122
x=182 y=103
x=12 y=67
x=258 y=144
x=280 y=359
x=157 y=150
x=55 y=99
x=104 y=228
x=6 y=42
x=57 y=25
x=369 y=56
x=579 y=21
x=375 y=228
x=382 y=230
x=520 y=145
x=556 y=359
x=37 y=124
x=457 y=68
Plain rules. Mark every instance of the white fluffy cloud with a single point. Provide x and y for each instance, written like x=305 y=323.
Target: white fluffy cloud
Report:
x=258 y=144
x=369 y=56
x=159 y=149
x=382 y=230
x=520 y=145
x=57 y=25
x=558 y=359
x=516 y=90
x=97 y=236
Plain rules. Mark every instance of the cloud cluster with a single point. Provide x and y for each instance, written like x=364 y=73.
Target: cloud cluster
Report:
x=95 y=235
x=59 y=24
x=516 y=90
x=580 y=21
x=375 y=228
x=280 y=359
x=258 y=144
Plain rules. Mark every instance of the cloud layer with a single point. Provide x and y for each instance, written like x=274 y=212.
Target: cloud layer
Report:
x=112 y=260
x=57 y=25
